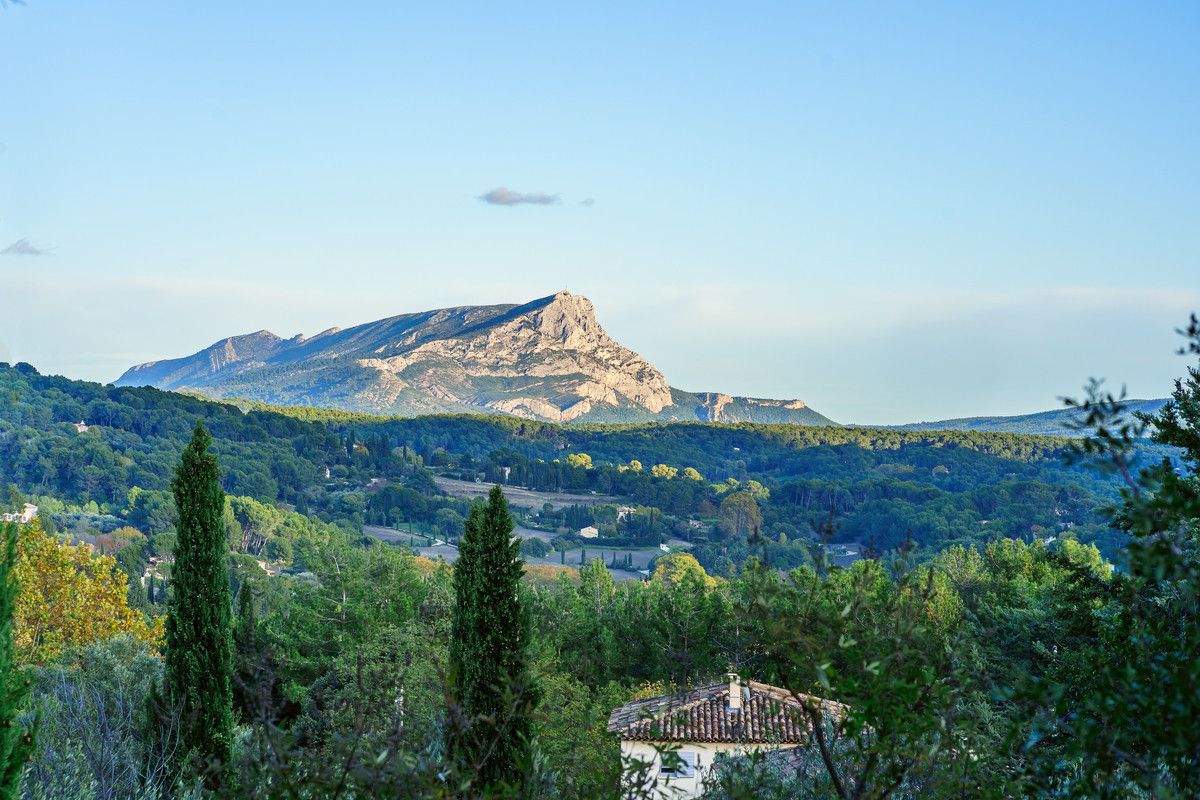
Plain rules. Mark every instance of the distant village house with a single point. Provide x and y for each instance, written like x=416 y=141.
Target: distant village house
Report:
x=588 y=533
x=23 y=517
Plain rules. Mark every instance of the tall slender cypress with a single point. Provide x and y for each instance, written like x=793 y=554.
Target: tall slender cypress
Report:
x=16 y=742
x=199 y=647
x=488 y=648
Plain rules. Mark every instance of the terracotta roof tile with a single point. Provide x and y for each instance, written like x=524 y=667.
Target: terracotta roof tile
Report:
x=770 y=715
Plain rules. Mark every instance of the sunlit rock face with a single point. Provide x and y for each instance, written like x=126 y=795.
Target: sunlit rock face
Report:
x=548 y=359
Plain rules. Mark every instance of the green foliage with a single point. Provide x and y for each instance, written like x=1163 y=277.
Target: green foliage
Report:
x=1003 y=658
x=769 y=776
x=16 y=737
x=534 y=547
x=247 y=654
x=936 y=488
x=886 y=646
x=488 y=648
x=740 y=517
x=94 y=741
x=198 y=653
x=572 y=735
x=664 y=471
x=579 y=460
x=1121 y=719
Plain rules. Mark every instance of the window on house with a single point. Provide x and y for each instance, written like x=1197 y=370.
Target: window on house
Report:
x=679 y=764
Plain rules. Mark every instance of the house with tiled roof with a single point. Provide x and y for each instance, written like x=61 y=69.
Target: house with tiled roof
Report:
x=731 y=717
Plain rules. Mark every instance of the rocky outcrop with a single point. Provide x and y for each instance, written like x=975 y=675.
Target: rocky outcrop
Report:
x=548 y=359
x=713 y=404
x=559 y=341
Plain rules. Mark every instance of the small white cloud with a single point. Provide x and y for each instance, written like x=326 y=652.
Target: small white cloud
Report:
x=588 y=202
x=501 y=196
x=23 y=247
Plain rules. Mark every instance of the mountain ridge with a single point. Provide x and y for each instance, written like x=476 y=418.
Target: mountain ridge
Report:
x=1054 y=422
x=546 y=359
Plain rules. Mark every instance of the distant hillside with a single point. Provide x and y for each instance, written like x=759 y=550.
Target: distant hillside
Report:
x=1045 y=423
x=882 y=486
x=548 y=359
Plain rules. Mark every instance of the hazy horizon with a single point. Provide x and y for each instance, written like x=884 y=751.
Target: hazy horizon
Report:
x=892 y=214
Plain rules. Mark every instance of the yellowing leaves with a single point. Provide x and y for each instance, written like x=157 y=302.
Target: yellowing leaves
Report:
x=673 y=568
x=69 y=596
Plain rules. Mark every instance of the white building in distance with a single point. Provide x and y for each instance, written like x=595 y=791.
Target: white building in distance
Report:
x=23 y=517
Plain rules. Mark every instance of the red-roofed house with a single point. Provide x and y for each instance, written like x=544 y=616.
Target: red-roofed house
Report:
x=698 y=725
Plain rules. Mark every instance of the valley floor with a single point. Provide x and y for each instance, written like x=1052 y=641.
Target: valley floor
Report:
x=449 y=553
x=520 y=497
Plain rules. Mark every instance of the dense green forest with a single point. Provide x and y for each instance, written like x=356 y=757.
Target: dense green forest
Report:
x=334 y=666
x=873 y=489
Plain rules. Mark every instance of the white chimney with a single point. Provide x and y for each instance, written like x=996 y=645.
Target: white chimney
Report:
x=735 y=691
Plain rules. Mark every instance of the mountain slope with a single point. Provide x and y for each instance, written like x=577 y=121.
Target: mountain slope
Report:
x=547 y=359
x=1048 y=423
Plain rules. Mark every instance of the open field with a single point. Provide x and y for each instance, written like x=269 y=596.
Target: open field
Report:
x=449 y=553
x=521 y=497
x=401 y=537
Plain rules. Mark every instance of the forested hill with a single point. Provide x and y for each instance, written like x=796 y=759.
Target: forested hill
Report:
x=1057 y=422
x=877 y=485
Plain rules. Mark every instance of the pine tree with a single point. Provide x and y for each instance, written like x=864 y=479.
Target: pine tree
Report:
x=488 y=649
x=198 y=654
x=16 y=742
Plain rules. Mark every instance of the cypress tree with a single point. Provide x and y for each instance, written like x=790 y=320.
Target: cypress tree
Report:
x=199 y=648
x=488 y=648
x=16 y=743
x=246 y=655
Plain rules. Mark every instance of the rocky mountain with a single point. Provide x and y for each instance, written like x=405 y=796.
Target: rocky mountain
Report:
x=548 y=359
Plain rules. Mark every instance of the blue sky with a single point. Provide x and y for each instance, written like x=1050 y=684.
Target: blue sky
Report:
x=892 y=211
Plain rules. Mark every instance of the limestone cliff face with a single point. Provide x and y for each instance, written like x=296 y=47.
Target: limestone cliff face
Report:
x=717 y=407
x=557 y=346
x=547 y=359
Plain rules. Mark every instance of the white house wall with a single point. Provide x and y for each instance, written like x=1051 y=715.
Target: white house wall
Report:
x=706 y=753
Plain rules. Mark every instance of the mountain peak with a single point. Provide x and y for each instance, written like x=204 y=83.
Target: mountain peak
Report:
x=549 y=359
x=570 y=320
